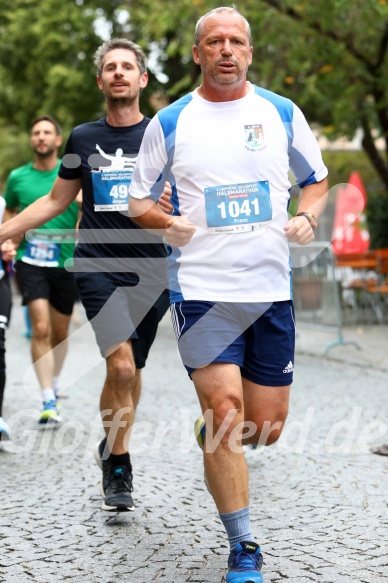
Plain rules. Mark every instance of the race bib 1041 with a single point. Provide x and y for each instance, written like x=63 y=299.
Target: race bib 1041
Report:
x=238 y=208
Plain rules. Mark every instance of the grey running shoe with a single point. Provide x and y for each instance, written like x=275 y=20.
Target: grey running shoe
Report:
x=116 y=484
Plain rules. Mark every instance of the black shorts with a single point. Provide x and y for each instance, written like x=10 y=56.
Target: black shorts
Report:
x=119 y=313
x=54 y=284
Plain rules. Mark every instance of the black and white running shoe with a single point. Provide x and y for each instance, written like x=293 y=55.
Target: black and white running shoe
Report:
x=116 y=484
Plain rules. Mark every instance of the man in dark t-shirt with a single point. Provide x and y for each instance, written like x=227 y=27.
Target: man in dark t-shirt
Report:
x=119 y=268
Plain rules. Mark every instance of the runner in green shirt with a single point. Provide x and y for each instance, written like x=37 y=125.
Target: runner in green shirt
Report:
x=47 y=288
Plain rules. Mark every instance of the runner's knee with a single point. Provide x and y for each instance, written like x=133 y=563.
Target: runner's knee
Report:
x=41 y=330
x=225 y=412
x=122 y=374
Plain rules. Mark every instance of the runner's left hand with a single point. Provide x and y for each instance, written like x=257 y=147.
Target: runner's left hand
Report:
x=298 y=230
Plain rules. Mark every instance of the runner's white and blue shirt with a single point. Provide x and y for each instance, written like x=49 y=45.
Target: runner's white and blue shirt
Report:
x=228 y=164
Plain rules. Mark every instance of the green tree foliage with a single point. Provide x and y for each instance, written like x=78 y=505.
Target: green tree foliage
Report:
x=43 y=60
x=46 y=50
x=329 y=57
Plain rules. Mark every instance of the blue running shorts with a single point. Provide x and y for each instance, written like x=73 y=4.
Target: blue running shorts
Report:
x=258 y=337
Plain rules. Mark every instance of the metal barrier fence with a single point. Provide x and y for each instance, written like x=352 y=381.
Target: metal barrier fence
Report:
x=316 y=290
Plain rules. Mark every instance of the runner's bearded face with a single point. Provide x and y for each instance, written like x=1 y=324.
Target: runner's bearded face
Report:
x=120 y=79
x=44 y=139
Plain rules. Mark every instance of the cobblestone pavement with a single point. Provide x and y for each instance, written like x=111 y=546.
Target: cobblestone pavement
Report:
x=319 y=497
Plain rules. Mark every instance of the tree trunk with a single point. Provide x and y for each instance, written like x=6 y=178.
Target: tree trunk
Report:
x=374 y=155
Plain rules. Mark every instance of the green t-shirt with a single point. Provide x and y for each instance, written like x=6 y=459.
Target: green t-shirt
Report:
x=24 y=186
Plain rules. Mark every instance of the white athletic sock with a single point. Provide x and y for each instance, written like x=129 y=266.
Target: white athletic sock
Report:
x=48 y=394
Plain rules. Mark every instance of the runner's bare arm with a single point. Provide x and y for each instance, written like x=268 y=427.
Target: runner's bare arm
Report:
x=42 y=210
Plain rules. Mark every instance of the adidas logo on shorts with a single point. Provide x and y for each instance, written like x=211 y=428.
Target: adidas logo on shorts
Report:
x=289 y=367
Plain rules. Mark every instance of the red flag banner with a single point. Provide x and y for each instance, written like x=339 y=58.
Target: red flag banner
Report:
x=350 y=232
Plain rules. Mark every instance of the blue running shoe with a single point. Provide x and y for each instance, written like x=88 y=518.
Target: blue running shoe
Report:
x=200 y=432
x=244 y=564
x=50 y=412
x=4 y=431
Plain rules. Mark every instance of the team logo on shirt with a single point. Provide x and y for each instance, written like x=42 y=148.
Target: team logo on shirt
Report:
x=254 y=137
